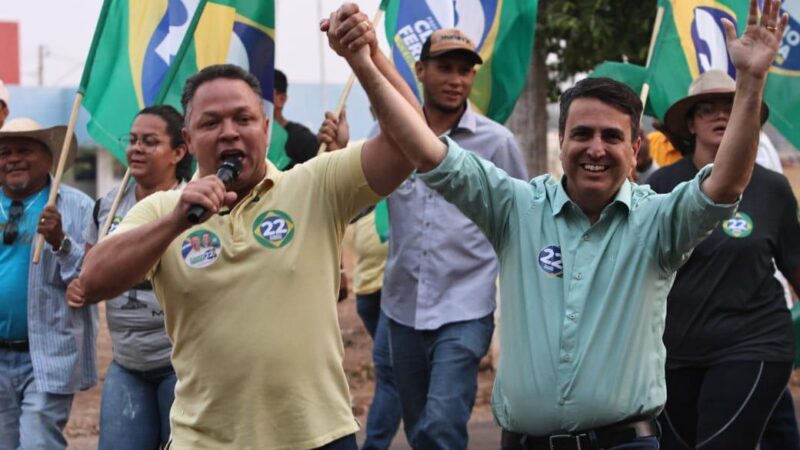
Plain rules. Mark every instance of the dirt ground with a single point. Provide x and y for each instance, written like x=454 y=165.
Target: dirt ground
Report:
x=82 y=428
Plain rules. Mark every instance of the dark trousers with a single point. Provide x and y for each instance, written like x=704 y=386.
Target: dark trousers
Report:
x=346 y=443
x=781 y=431
x=725 y=406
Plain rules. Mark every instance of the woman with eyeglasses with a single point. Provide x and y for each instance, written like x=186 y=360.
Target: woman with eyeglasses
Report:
x=728 y=336
x=139 y=387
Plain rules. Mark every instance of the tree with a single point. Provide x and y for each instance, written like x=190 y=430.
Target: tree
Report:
x=572 y=37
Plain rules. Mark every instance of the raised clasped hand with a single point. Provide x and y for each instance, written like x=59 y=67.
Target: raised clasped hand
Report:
x=350 y=33
x=754 y=52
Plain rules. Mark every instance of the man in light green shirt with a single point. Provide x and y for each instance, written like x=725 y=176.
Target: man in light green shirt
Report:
x=587 y=261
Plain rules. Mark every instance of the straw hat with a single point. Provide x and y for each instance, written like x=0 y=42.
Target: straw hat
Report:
x=708 y=86
x=52 y=138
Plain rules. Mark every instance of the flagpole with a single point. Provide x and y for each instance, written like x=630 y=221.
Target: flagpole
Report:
x=115 y=204
x=656 y=27
x=62 y=161
x=349 y=85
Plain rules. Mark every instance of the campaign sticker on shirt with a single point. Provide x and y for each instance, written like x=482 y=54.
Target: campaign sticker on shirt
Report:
x=201 y=248
x=114 y=224
x=273 y=229
x=738 y=226
x=407 y=186
x=550 y=261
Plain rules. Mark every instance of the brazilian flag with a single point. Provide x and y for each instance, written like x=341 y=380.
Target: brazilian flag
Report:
x=503 y=31
x=133 y=45
x=143 y=51
x=691 y=40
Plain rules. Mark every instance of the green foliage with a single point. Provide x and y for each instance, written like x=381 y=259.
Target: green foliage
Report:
x=579 y=34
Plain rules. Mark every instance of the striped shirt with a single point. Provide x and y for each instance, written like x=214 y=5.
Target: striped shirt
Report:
x=62 y=339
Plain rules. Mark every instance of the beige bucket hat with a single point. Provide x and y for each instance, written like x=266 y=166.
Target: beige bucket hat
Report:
x=708 y=86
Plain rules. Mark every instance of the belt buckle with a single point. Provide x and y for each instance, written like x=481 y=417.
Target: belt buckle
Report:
x=557 y=439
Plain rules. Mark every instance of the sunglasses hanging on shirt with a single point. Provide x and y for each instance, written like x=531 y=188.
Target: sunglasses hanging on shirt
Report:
x=11 y=230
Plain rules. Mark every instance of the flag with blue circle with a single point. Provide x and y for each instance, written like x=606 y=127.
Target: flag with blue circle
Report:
x=503 y=31
x=143 y=51
x=691 y=41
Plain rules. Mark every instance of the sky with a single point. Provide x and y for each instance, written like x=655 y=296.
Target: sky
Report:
x=65 y=31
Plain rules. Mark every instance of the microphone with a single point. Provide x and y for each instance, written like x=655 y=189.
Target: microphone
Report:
x=228 y=172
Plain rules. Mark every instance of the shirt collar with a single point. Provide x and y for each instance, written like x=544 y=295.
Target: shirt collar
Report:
x=468 y=121
x=561 y=197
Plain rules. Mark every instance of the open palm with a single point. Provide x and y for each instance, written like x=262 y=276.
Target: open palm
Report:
x=754 y=52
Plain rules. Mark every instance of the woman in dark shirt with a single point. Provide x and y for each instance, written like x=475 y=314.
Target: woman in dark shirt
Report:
x=729 y=337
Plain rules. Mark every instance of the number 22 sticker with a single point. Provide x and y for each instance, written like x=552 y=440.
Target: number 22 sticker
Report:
x=550 y=261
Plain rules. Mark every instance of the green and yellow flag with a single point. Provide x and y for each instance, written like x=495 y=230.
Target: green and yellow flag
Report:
x=691 y=40
x=143 y=51
x=131 y=52
x=503 y=30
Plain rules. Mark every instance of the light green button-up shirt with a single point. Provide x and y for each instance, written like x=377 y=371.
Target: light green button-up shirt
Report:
x=583 y=305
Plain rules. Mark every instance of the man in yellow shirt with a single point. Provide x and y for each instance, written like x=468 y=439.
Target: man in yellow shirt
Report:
x=257 y=346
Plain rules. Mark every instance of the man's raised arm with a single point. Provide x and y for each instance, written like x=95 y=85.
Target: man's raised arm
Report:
x=400 y=117
x=752 y=54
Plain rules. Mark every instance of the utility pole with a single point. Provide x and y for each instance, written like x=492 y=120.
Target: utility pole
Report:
x=40 y=70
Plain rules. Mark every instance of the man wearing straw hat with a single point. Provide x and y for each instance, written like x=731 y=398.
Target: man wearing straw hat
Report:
x=46 y=350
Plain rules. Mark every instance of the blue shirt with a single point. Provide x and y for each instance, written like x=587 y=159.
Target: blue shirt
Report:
x=583 y=304
x=61 y=339
x=441 y=269
x=14 y=272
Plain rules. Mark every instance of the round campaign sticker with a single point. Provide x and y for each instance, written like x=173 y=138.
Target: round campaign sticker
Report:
x=273 y=229
x=738 y=226
x=201 y=248
x=550 y=261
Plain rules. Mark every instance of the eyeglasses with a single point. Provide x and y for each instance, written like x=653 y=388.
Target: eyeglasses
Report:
x=147 y=142
x=704 y=110
x=11 y=230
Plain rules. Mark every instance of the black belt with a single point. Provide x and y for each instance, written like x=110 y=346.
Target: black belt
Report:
x=17 y=346
x=596 y=439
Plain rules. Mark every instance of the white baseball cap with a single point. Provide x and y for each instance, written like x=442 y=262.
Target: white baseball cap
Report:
x=3 y=93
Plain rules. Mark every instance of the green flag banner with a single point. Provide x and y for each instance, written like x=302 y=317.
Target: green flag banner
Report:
x=382 y=220
x=277 y=146
x=630 y=74
x=503 y=31
x=128 y=60
x=691 y=41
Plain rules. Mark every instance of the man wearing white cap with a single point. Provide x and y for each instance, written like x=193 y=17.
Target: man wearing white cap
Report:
x=46 y=349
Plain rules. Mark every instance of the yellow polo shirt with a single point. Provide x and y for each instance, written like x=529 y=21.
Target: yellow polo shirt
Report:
x=250 y=305
x=370 y=256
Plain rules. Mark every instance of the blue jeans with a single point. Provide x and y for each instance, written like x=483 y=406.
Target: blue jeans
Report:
x=29 y=419
x=384 y=413
x=134 y=410
x=437 y=378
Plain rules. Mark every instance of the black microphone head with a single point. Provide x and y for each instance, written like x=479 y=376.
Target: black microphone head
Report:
x=229 y=169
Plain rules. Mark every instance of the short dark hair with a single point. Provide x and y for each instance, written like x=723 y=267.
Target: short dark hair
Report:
x=281 y=83
x=614 y=93
x=210 y=73
x=174 y=121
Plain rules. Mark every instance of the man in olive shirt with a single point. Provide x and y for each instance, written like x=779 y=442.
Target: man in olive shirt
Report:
x=257 y=347
x=587 y=261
